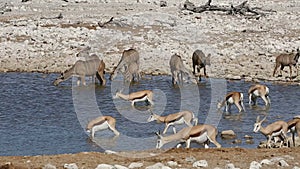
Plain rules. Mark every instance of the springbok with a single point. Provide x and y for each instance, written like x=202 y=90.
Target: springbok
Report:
x=132 y=73
x=200 y=61
x=232 y=98
x=102 y=123
x=259 y=90
x=178 y=70
x=204 y=133
x=143 y=95
x=294 y=126
x=178 y=118
x=276 y=129
x=289 y=59
x=129 y=56
x=81 y=69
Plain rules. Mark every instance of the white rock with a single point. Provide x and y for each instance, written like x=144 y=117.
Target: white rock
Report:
x=190 y=159
x=49 y=166
x=200 y=163
x=296 y=167
x=105 y=166
x=230 y=166
x=135 y=165
x=120 y=167
x=172 y=163
x=266 y=162
x=283 y=163
x=158 y=165
x=71 y=166
x=255 y=165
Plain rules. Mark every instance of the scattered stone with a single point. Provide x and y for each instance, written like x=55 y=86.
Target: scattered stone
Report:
x=283 y=163
x=200 y=163
x=190 y=159
x=228 y=134
x=230 y=166
x=135 y=165
x=105 y=166
x=248 y=137
x=120 y=167
x=172 y=163
x=110 y=152
x=158 y=165
x=296 y=167
x=237 y=141
x=163 y=3
x=49 y=166
x=71 y=166
x=266 y=162
x=255 y=165
x=7 y=165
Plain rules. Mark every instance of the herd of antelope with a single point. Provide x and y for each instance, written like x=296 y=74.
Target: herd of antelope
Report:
x=200 y=133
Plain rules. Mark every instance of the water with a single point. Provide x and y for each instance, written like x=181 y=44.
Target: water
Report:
x=39 y=118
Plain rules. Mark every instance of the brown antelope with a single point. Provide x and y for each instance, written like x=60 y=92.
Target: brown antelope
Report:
x=259 y=90
x=182 y=117
x=232 y=98
x=204 y=133
x=178 y=70
x=290 y=60
x=81 y=69
x=129 y=56
x=276 y=129
x=294 y=126
x=200 y=61
x=143 y=95
x=102 y=123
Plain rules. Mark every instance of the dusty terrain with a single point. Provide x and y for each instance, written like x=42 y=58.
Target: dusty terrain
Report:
x=240 y=158
x=32 y=38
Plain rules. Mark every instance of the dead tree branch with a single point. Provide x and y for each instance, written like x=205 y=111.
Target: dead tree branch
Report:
x=241 y=9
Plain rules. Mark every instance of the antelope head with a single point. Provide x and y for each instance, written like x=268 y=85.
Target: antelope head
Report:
x=152 y=117
x=257 y=124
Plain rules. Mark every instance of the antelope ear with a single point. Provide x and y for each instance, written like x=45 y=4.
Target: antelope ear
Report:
x=257 y=119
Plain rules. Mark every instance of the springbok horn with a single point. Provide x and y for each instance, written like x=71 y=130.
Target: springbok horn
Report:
x=257 y=119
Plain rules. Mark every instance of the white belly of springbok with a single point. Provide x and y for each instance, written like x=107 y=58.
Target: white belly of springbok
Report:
x=203 y=138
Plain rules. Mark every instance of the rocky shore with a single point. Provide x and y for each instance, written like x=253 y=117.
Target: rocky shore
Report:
x=45 y=35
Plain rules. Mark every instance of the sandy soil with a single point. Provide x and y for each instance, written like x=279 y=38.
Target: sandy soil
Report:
x=241 y=158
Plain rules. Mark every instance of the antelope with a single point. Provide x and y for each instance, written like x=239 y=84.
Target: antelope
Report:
x=175 y=119
x=143 y=95
x=200 y=61
x=102 y=123
x=129 y=56
x=294 y=126
x=259 y=90
x=276 y=129
x=290 y=60
x=178 y=70
x=232 y=98
x=204 y=133
x=81 y=69
x=132 y=72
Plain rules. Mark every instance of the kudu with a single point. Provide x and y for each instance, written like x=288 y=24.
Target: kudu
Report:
x=178 y=70
x=132 y=73
x=200 y=61
x=289 y=59
x=91 y=67
x=128 y=57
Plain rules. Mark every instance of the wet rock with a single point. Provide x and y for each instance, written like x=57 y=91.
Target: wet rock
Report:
x=237 y=141
x=71 y=166
x=201 y=163
x=228 y=134
x=255 y=165
x=135 y=165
